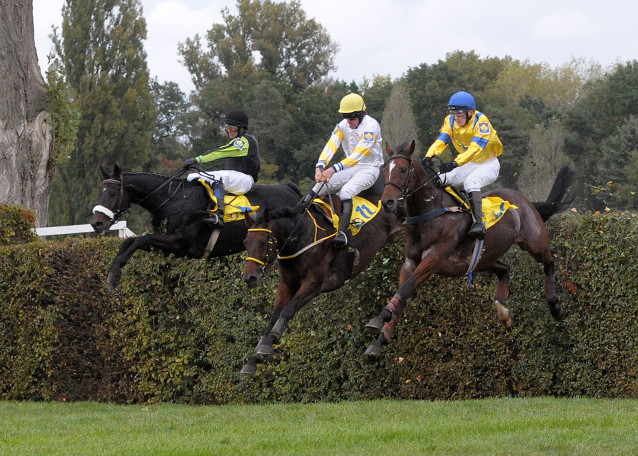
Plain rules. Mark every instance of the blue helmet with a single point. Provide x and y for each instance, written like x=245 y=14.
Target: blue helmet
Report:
x=461 y=100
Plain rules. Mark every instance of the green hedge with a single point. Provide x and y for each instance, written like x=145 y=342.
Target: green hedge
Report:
x=179 y=330
x=16 y=223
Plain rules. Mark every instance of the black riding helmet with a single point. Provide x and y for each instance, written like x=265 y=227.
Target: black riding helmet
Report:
x=236 y=118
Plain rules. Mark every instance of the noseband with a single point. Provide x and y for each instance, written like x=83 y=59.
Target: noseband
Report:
x=271 y=251
x=115 y=215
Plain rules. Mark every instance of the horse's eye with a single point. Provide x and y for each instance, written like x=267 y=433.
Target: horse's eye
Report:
x=113 y=194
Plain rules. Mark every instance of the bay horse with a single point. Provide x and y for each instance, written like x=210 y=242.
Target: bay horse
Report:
x=308 y=263
x=177 y=208
x=438 y=242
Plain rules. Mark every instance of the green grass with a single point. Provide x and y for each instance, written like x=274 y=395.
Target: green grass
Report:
x=542 y=426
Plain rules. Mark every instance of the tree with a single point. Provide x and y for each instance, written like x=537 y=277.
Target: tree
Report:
x=545 y=157
x=398 y=121
x=26 y=130
x=265 y=39
x=101 y=50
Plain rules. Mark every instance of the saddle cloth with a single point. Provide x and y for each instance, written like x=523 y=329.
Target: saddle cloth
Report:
x=493 y=206
x=236 y=206
x=362 y=212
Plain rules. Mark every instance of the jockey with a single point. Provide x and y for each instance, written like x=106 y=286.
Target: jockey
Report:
x=478 y=146
x=241 y=164
x=360 y=137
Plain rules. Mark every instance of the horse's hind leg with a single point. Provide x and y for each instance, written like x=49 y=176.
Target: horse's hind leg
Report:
x=502 y=272
x=555 y=307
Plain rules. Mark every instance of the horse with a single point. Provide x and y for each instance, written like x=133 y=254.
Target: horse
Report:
x=308 y=263
x=436 y=239
x=178 y=208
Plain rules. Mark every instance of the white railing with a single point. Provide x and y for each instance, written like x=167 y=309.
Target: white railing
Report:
x=123 y=231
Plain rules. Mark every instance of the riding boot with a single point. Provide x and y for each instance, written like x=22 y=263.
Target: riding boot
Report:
x=302 y=205
x=217 y=219
x=342 y=238
x=477 y=230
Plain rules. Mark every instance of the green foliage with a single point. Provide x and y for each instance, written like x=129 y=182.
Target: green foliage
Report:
x=293 y=50
x=64 y=114
x=16 y=224
x=105 y=65
x=179 y=330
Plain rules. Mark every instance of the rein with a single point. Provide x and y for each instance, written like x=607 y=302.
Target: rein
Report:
x=117 y=213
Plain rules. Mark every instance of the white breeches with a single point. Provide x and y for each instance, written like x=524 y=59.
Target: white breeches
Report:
x=473 y=176
x=233 y=181
x=349 y=182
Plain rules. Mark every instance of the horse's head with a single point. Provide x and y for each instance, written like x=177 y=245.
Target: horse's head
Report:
x=399 y=176
x=111 y=202
x=261 y=247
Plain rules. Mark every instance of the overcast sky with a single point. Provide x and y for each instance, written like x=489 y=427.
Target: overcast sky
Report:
x=387 y=37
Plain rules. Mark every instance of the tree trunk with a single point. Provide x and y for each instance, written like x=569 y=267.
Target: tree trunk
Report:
x=25 y=130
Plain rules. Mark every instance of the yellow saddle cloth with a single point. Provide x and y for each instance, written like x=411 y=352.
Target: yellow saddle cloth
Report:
x=235 y=206
x=362 y=212
x=493 y=206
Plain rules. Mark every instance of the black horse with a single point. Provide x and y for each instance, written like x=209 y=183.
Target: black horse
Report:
x=177 y=208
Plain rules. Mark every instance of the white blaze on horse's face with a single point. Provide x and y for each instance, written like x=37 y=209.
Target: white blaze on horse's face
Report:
x=392 y=165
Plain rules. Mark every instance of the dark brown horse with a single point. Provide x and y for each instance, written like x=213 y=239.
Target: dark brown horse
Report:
x=308 y=263
x=178 y=208
x=437 y=241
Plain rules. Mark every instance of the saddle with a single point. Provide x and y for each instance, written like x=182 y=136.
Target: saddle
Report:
x=235 y=207
x=362 y=212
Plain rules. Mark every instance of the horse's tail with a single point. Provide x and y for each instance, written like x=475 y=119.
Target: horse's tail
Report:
x=555 y=202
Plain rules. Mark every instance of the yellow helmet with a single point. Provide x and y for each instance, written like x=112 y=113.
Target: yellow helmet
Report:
x=352 y=102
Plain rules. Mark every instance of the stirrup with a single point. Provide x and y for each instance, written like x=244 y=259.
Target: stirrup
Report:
x=341 y=240
x=477 y=230
x=214 y=220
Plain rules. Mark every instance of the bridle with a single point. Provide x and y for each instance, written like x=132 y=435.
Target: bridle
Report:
x=114 y=215
x=271 y=251
x=405 y=190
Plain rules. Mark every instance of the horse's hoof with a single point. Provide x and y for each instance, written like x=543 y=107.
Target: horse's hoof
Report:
x=375 y=323
x=557 y=311
x=373 y=350
x=248 y=369
x=112 y=282
x=504 y=314
x=264 y=350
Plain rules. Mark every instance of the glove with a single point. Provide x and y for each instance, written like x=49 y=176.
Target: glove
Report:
x=447 y=167
x=190 y=161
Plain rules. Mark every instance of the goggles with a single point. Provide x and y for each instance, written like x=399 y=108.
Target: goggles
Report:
x=351 y=115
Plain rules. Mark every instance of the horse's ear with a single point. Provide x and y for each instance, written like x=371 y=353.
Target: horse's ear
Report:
x=249 y=220
x=106 y=173
x=117 y=172
x=389 y=150
x=411 y=147
x=266 y=215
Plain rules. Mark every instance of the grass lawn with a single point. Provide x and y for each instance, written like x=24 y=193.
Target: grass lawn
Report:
x=540 y=426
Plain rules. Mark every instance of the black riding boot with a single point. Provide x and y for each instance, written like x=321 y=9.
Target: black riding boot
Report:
x=217 y=219
x=342 y=237
x=477 y=230
x=302 y=205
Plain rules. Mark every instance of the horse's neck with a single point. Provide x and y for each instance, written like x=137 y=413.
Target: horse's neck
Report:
x=144 y=189
x=426 y=199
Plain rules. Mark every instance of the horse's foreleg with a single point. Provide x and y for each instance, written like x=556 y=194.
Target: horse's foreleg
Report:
x=304 y=295
x=395 y=304
x=264 y=348
x=409 y=282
